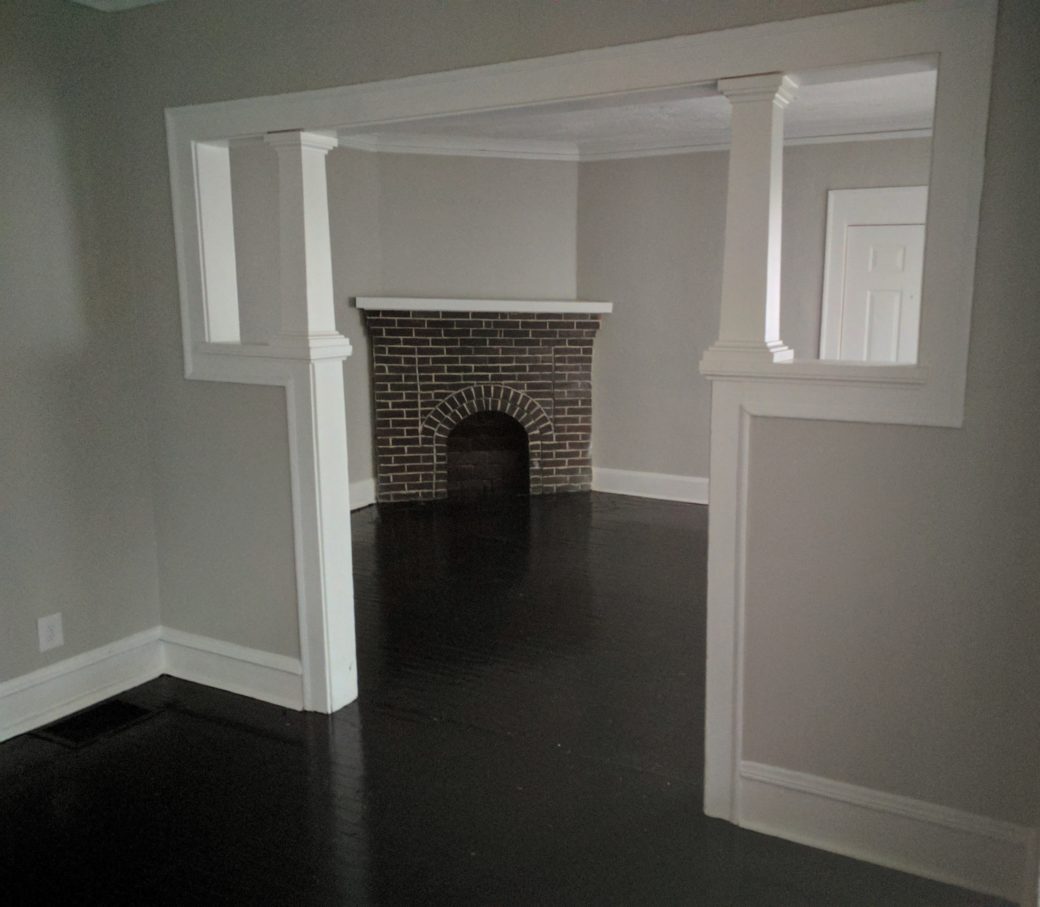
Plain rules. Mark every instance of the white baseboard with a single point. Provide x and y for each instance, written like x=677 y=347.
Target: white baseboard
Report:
x=936 y=842
x=362 y=493
x=36 y=699
x=658 y=485
x=250 y=672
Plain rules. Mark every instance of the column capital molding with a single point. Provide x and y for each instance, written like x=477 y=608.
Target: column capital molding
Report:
x=296 y=138
x=770 y=86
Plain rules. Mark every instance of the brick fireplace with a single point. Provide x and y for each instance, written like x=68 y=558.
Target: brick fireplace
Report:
x=436 y=362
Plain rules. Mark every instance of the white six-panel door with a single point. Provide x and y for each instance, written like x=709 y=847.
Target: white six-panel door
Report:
x=872 y=277
x=882 y=298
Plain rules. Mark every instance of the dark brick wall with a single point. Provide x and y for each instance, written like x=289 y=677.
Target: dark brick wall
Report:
x=432 y=369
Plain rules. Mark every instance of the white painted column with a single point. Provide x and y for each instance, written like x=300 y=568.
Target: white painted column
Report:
x=312 y=351
x=321 y=518
x=308 y=313
x=749 y=326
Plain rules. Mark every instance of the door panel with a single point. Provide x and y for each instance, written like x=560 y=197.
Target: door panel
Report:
x=882 y=292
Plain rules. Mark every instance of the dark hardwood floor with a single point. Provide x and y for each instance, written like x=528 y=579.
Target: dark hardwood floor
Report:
x=529 y=732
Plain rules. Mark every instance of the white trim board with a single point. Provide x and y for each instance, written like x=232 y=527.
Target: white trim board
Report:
x=937 y=842
x=67 y=686
x=657 y=485
x=249 y=672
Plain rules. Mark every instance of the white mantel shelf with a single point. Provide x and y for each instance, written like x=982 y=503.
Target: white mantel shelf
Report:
x=428 y=304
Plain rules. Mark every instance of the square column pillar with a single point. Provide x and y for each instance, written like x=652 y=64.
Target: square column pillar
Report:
x=749 y=326
x=310 y=352
x=307 y=310
x=321 y=518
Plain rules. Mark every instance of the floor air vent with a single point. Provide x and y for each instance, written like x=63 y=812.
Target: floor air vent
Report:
x=94 y=723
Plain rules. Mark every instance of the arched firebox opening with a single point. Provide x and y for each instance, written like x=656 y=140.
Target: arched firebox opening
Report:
x=487 y=454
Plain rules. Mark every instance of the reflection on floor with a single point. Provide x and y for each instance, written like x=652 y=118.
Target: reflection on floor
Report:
x=529 y=733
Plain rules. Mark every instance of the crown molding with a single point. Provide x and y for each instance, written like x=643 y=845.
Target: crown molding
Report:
x=890 y=136
x=464 y=146
x=524 y=149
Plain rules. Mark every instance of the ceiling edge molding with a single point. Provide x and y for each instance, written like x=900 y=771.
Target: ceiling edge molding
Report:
x=889 y=136
x=115 y=6
x=522 y=149
x=609 y=151
x=463 y=146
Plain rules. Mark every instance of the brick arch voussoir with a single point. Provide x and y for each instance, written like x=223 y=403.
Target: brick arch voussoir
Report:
x=484 y=398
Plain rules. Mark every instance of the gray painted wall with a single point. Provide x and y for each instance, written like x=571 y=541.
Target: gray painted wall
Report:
x=477 y=227
x=650 y=240
x=76 y=526
x=219 y=461
x=650 y=237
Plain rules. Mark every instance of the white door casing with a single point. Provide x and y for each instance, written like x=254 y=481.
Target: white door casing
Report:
x=873 y=265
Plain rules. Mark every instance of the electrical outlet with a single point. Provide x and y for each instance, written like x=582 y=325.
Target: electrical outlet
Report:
x=49 y=629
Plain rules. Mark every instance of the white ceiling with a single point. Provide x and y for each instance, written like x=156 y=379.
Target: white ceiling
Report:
x=884 y=101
